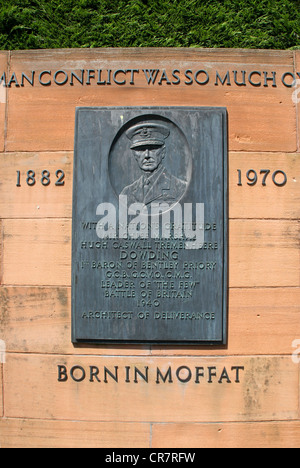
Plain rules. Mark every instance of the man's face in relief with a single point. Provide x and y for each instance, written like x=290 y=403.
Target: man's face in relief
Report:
x=149 y=157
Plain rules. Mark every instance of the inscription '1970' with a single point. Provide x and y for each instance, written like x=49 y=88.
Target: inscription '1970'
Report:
x=149 y=252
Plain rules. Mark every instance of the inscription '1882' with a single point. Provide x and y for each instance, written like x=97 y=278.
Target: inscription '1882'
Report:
x=44 y=178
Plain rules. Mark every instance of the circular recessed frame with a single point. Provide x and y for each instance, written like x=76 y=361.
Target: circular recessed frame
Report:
x=150 y=134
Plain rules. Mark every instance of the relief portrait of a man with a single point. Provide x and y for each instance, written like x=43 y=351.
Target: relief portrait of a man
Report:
x=156 y=184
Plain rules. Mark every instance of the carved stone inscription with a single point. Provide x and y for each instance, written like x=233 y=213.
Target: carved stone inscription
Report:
x=149 y=252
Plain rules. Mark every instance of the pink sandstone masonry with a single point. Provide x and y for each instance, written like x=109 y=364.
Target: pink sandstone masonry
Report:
x=55 y=394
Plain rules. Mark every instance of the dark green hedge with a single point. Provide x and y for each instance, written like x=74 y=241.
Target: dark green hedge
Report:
x=265 y=24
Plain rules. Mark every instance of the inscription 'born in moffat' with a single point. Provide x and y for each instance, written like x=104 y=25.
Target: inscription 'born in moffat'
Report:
x=133 y=374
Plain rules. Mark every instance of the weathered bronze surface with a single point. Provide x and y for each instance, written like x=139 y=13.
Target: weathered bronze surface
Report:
x=149 y=252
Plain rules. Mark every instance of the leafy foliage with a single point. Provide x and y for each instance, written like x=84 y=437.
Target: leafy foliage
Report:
x=39 y=24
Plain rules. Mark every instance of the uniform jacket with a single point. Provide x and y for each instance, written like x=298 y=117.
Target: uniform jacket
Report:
x=159 y=187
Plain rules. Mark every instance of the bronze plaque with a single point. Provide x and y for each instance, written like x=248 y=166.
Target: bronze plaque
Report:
x=149 y=251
